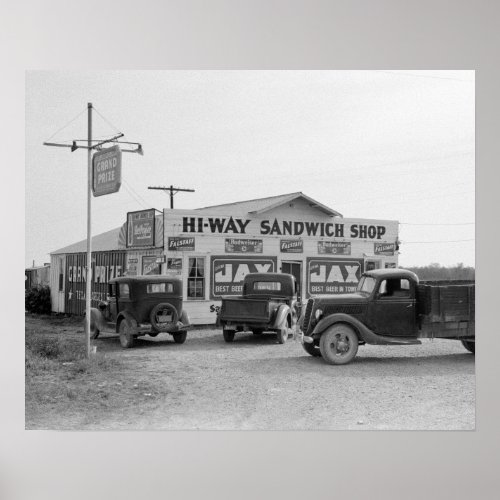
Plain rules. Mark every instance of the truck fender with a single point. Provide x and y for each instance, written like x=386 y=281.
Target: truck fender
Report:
x=281 y=315
x=124 y=315
x=363 y=332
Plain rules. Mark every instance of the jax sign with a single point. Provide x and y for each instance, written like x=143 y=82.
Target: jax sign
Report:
x=107 y=171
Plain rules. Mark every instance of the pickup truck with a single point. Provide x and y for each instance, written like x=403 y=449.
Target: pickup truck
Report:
x=269 y=303
x=389 y=307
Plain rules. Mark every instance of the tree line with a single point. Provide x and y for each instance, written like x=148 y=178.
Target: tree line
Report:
x=435 y=271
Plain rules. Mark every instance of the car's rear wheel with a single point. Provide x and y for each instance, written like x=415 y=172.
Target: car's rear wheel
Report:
x=339 y=344
x=228 y=335
x=163 y=316
x=257 y=331
x=470 y=345
x=180 y=337
x=127 y=330
x=282 y=335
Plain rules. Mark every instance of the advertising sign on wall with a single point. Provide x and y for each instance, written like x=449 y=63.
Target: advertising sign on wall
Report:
x=178 y=243
x=237 y=245
x=332 y=276
x=141 y=228
x=228 y=273
x=334 y=247
x=132 y=266
x=150 y=265
x=384 y=248
x=291 y=246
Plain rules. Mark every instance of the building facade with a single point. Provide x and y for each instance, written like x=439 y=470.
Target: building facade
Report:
x=212 y=249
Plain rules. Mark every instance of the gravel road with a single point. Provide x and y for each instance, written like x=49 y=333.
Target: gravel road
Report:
x=255 y=383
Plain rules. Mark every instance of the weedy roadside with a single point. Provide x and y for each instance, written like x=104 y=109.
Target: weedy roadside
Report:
x=60 y=379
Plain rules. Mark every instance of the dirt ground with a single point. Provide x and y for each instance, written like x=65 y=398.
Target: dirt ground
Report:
x=253 y=383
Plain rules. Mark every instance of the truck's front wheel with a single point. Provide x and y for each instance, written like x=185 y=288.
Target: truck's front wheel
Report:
x=338 y=345
x=180 y=337
x=228 y=335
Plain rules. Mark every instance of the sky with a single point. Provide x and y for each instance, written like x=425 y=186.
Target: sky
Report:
x=391 y=145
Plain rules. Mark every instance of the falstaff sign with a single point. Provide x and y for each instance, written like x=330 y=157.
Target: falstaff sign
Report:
x=291 y=246
x=384 y=248
x=237 y=245
x=228 y=273
x=332 y=276
x=334 y=247
x=141 y=228
x=233 y=225
x=178 y=243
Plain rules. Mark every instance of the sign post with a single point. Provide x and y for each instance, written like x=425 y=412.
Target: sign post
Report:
x=104 y=177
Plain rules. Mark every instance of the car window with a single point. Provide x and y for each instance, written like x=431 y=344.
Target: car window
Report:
x=274 y=286
x=159 y=288
x=124 y=290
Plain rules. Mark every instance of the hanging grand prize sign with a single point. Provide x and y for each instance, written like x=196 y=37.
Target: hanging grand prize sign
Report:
x=384 y=248
x=237 y=245
x=331 y=276
x=334 y=247
x=106 y=171
x=141 y=228
x=228 y=273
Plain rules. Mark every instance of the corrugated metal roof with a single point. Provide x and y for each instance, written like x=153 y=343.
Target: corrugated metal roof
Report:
x=264 y=204
x=100 y=243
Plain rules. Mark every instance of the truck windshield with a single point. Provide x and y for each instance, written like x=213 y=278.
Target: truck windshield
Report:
x=366 y=285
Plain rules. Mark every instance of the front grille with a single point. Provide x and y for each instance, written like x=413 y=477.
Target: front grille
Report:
x=307 y=315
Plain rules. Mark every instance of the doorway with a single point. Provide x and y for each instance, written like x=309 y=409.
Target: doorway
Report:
x=294 y=268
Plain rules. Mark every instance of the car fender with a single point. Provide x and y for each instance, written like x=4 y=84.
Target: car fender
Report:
x=124 y=315
x=281 y=315
x=363 y=332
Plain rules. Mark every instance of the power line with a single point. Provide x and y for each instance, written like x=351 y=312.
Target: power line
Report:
x=67 y=124
x=442 y=241
x=437 y=224
x=173 y=190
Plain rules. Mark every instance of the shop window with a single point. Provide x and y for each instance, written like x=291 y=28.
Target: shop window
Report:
x=196 y=278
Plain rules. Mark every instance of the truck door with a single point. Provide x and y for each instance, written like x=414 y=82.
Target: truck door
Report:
x=394 y=309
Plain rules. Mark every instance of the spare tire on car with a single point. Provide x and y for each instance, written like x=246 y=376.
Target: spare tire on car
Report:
x=163 y=316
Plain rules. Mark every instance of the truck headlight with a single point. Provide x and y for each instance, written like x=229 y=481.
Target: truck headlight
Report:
x=318 y=314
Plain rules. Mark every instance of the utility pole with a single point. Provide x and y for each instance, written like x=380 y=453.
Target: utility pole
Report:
x=173 y=190
x=90 y=147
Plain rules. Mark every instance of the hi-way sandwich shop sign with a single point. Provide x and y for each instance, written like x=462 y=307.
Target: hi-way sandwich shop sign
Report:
x=106 y=171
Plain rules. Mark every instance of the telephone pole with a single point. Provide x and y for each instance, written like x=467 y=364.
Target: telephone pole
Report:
x=92 y=145
x=173 y=190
